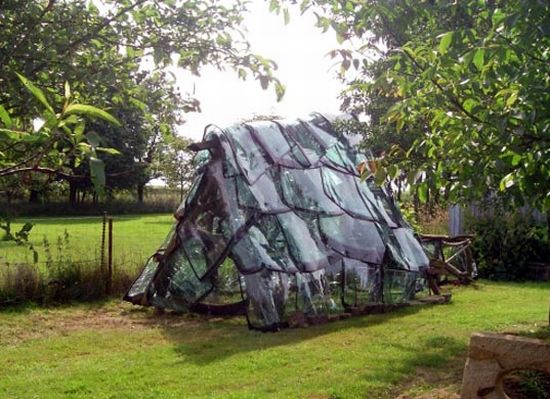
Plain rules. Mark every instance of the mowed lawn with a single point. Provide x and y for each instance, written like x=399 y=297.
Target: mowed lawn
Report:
x=78 y=239
x=116 y=350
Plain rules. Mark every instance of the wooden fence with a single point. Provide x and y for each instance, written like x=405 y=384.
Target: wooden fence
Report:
x=458 y=214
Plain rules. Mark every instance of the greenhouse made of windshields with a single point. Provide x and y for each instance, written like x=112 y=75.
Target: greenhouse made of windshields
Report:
x=278 y=226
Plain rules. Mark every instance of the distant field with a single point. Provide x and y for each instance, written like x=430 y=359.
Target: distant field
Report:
x=135 y=238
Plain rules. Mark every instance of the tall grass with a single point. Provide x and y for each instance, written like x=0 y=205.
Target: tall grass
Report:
x=62 y=282
x=69 y=268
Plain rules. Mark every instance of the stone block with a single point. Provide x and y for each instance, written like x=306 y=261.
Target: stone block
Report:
x=492 y=356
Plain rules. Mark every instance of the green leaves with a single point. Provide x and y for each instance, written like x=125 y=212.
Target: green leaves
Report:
x=423 y=192
x=460 y=90
x=97 y=174
x=36 y=92
x=5 y=117
x=445 y=42
x=93 y=112
x=507 y=181
x=93 y=138
x=479 y=58
x=12 y=135
x=61 y=141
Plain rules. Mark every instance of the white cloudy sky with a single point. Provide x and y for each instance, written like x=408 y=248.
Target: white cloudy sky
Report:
x=299 y=49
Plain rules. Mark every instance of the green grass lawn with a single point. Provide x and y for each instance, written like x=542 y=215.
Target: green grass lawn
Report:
x=135 y=239
x=115 y=350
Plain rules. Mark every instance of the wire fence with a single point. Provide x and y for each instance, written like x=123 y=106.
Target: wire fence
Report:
x=70 y=250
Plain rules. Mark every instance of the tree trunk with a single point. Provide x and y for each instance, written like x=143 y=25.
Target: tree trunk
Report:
x=416 y=201
x=33 y=196
x=182 y=191
x=399 y=183
x=73 y=193
x=140 y=190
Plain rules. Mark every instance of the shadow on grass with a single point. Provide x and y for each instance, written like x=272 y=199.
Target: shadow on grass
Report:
x=210 y=340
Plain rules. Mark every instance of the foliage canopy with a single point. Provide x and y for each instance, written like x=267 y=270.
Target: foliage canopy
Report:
x=115 y=53
x=466 y=81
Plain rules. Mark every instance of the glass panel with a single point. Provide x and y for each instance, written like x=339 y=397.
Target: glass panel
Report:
x=274 y=143
x=314 y=294
x=201 y=158
x=363 y=283
x=252 y=252
x=204 y=241
x=354 y=238
x=308 y=254
x=139 y=288
x=278 y=248
x=341 y=189
x=399 y=285
x=303 y=190
x=226 y=285
x=250 y=157
x=375 y=202
x=267 y=292
x=192 y=192
x=409 y=250
x=338 y=157
x=262 y=195
x=176 y=286
x=196 y=253
x=184 y=286
x=234 y=217
x=306 y=140
x=325 y=138
x=230 y=168
x=386 y=204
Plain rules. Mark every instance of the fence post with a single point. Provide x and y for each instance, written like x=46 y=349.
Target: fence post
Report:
x=103 y=244
x=110 y=257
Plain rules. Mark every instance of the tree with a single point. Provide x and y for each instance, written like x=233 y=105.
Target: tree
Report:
x=175 y=164
x=470 y=78
x=102 y=52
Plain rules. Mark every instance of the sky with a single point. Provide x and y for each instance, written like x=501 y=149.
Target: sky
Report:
x=300 y=50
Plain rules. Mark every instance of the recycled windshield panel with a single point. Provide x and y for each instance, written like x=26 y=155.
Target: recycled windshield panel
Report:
x=261 y=196
x=340 y=188
x=306 y=140
x=337 y=157
x=303 y=190
x=279 y=227
x=279 y=149
x=251 y=253
x=410 y=249
x=363 y=283
x=308 y=254
x=353 y=238
x=249 y=156
x=399 y=285
x=325 y=138
x=267 y=293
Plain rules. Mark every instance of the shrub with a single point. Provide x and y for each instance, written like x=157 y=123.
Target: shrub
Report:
x=426 y=219
x=504 y=245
